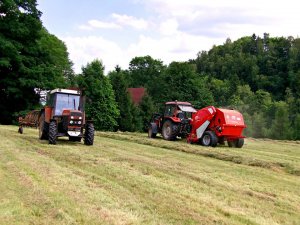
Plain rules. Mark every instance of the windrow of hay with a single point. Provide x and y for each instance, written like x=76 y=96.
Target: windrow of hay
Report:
x=221 y=153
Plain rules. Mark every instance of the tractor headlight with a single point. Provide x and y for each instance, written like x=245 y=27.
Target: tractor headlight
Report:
x=72 y=117
x=79 y=122
x=80 y=117
x=71 y=121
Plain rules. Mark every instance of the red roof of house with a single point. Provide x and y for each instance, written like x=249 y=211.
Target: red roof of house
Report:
x=136 y=94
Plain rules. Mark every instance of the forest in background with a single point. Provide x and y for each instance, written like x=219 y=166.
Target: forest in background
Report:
x=259 y=76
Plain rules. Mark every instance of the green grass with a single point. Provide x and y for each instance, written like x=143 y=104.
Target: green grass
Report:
x=126 y=178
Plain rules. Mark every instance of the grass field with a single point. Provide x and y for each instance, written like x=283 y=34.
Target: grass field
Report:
x=126 y=178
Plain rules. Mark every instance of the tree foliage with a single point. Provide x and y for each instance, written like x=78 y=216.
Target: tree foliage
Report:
x=27 y=58
x=101 y=106
x=123 y=100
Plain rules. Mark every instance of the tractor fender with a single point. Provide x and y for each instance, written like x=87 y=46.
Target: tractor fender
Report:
x=175 y=119
x=154 y=128
x=47 y=111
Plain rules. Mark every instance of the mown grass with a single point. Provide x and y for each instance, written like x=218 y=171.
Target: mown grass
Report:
x=127 y=178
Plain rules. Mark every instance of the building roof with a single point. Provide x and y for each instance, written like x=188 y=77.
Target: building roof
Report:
x=136 y=94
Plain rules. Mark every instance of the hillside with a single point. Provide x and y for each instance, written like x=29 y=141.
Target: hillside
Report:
x=126 y=178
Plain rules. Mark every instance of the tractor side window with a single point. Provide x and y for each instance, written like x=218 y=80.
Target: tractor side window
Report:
x=169 y=110
x=50 y=100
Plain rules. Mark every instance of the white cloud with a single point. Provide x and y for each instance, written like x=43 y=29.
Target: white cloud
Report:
x=101 y=24
x=130 y=21
x=180 y=29
x=203 y=17
x=169 y=27
x=178 y=47
x=92 y=24
x=118 y=22
x=84 y=50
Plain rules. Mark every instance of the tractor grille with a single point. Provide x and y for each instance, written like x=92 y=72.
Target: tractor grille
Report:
x=76 y=114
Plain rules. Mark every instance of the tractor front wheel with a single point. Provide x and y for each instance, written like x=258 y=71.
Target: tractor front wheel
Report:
x=150 y=132
x=169 y=130
x=43 y=128
x=89 y=134
x=209 y=139
x=20 y=130
x=52 y=133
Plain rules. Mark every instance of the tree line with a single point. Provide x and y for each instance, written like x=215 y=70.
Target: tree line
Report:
x=259 y=76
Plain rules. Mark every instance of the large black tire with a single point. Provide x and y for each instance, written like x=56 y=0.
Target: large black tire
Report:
x=150 y=132
x=238 y=143
x=43 y=128
x=209 y=138
x=20 y=130
x=169 y=130
x=52 y=133
x=89 y=134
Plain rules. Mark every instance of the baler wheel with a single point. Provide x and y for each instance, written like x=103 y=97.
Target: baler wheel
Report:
x=169 y=130
x=239 y=143
x=209 y=138
x=52 y=133
x=89 y=134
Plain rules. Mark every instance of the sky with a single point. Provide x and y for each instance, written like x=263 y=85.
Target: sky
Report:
x=116 y=31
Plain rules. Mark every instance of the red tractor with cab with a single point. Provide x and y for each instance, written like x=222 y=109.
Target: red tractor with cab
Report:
x=64 y=116
x=175 y=122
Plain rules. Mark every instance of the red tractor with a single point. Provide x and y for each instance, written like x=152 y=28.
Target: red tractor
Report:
x=64 y=115
x=175 y=122
x=208 y=126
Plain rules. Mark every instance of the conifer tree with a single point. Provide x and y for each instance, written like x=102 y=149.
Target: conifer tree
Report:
x=101 y=105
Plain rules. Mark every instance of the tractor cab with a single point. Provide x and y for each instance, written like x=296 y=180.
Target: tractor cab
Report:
x=64 y=115
x=63 y=99
x=179 y=110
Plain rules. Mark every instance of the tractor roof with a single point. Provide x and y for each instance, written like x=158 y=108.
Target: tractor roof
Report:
x=66 y=91
x=178 y=103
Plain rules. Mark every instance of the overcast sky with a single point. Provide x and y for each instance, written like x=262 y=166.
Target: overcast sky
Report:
x=115 y=31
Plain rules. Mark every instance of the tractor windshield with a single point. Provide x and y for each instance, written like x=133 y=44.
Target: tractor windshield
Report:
x=66 y=101
x=187 y=108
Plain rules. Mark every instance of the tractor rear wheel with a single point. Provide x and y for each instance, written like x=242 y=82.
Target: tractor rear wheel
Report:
x=89 y=134
x=209 y=138
x=52 y=133
x=169 y=130
x=43 y=128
